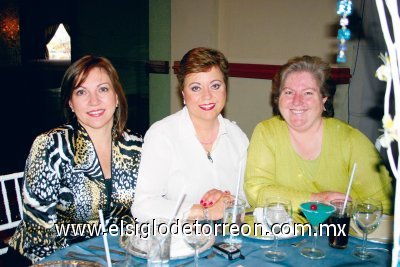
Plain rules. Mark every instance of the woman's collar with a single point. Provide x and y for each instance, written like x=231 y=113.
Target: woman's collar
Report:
x=188 y=126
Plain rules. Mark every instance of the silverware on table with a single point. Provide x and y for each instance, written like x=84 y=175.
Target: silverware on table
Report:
x=135 y=264
x=111 y=250
x=209 y=256
x=295 y=244
x=83 y=256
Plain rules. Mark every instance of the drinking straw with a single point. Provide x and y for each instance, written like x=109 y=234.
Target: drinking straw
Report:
x=105 y=238
x=349 y=187
x=234 y=212
x=177 y=207
x=238 y=182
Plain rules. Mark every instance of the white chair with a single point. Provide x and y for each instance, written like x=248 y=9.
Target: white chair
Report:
x=10 y=223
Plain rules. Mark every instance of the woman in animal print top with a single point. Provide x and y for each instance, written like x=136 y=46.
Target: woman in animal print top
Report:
x=74 y=170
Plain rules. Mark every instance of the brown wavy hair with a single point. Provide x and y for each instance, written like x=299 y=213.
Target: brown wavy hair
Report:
x=314 y=65
x=201 y=59
x=77 y=73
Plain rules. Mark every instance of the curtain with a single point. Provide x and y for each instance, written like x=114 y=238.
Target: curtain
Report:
x=67 y=28
x=48 y=34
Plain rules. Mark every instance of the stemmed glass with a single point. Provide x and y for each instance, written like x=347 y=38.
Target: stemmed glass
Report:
x=197 y=232
x=277 y=211
x=367 y=215
x=316 y=213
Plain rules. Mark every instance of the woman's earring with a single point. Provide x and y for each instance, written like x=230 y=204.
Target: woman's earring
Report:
x=324 y=108
x=184 y=102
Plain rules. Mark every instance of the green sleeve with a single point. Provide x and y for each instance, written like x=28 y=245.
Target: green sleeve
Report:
x=371 y=177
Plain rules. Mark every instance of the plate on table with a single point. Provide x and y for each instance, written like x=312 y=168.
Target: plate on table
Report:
x=179 y=248
x=383 y=234
x=68 y=263
x=256 y=217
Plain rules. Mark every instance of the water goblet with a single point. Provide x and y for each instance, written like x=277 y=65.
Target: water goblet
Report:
x=367 y=215
x=196 y=232
x=277 y=212
x=316 y=213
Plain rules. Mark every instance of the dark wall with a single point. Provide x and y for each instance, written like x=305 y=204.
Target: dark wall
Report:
x=35 y=17
x=30 y=105
x=118 y=30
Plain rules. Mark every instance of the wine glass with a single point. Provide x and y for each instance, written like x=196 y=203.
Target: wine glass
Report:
x=316 y=213
x=367 y=215
x=277 y=211
x=197 y=232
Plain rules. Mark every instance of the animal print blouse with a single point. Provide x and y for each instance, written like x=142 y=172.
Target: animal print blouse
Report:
x=64 y=186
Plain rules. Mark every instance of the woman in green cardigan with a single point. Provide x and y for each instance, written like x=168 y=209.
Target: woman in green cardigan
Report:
x=304 y=154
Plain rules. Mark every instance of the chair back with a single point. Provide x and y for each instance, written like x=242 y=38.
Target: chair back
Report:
x=12 y=218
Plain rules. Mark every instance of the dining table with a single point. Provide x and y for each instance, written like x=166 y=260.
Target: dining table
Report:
x=252 y=249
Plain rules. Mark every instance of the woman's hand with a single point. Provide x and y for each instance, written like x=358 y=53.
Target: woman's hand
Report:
x=327 y=196
x=212 y=197
x=216 y=210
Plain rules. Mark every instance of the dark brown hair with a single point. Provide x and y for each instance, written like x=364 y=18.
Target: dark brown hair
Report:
x=201 y=59
x=77 y=73
x=314 y=65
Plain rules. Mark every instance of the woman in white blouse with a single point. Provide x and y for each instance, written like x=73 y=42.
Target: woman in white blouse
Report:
x=195 y=150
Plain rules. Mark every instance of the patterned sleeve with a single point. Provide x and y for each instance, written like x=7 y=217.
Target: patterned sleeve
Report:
x=35 y=236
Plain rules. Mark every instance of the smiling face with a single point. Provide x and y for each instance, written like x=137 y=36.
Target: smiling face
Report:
x=94 y=101
x=204 y=94
x=300 y=101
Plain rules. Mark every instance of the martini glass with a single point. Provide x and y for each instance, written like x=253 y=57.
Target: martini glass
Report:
x=316 y=213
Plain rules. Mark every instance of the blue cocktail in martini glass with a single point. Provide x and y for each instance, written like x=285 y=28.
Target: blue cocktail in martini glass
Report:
x=316 y=213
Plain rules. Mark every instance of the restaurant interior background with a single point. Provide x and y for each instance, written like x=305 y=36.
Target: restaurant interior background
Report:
x=143 y=38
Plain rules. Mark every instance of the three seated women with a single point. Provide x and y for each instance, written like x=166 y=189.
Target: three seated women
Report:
x=92 y=163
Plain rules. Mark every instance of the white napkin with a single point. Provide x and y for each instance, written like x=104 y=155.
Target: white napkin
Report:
x=258 y=215
x=179 y=247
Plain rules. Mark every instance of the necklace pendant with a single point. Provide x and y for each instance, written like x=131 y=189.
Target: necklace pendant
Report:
x=209 y=157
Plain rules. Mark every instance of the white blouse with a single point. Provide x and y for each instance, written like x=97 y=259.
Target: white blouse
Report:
x=173 y=161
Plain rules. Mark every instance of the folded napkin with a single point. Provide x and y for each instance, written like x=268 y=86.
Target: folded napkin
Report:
x=179 y=248
x=258 y=215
